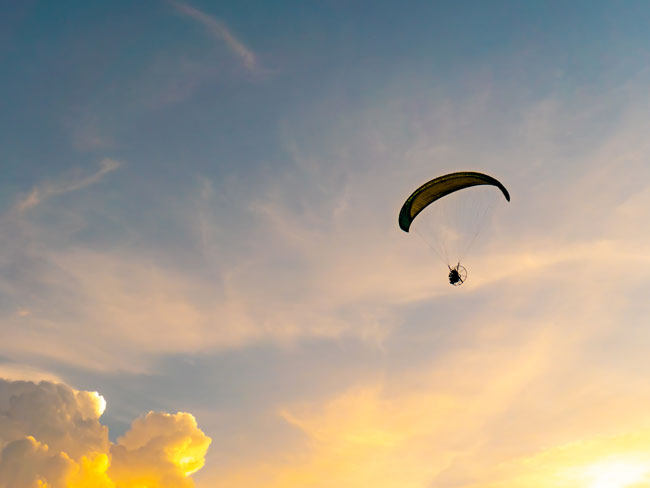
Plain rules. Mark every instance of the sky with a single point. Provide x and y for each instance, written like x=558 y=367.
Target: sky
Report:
x=202 y=279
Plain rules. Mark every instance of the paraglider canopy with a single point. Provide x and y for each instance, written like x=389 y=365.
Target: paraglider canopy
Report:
x=438 y=188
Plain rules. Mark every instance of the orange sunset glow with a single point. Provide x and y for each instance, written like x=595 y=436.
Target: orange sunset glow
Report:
x=333 y=244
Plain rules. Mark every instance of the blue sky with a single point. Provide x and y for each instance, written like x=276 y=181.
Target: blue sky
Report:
x=199 y=214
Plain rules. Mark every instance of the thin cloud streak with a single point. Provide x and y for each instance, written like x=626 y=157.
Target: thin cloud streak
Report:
x=52 y=189
x=219 y=30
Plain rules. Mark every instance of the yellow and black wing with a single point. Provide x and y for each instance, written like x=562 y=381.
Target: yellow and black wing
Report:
x=438 y=188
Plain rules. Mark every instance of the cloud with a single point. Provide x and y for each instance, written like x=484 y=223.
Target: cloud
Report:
x=160 y=448
x=44 y=191
x=501 y=410
x=402 y=429
x=53 y=469
x=50 y=435
x=220 y=31
x=621 y=461
x=26 y=373
x=314 y=251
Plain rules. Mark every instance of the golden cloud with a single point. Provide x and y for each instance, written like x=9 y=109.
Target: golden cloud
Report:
x=503 y=414
x=51 y=437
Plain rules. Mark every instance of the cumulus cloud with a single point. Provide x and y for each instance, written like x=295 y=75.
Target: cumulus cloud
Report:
x=51 y=436
x=42 y=192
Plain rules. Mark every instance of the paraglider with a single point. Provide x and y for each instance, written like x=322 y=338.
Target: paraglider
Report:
x=433 y=191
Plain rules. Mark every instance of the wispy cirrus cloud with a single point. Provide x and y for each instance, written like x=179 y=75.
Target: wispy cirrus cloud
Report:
x=47 y=190
x=219 y=30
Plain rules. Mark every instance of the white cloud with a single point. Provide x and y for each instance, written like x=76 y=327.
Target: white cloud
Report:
x=44 y=191
x=220 y=31
x=546 y=343
x=315 y=251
